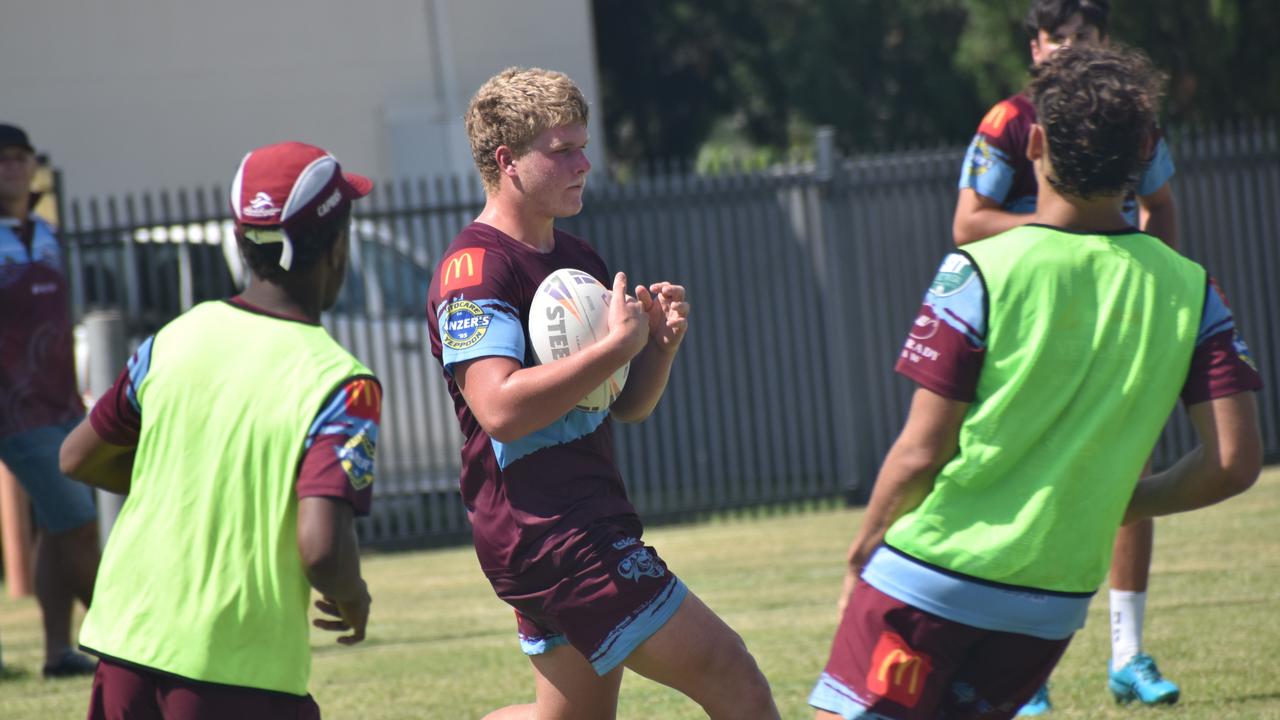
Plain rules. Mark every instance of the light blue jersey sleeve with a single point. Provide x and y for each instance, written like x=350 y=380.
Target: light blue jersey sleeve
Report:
x=1158 y=171
x=470 y=329
x=138 y=367
x=959 y=299
x=987 y=170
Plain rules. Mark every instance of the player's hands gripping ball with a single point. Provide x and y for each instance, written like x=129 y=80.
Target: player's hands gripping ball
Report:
x=668 y=313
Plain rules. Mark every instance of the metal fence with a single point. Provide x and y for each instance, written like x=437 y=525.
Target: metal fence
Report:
x=803 y=281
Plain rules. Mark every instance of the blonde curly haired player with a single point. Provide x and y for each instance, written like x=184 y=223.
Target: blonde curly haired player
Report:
x=554 y=531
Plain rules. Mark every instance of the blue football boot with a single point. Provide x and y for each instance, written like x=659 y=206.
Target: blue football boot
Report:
x=1140 y=680
x=1038 y=704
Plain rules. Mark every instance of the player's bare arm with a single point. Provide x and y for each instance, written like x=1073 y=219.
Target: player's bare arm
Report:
x=927 y=442
x=978 y=217
x=1158 y=215
x=1227 y=462
x=331 y=560
x=668 y=312
x=510 y=402
x=86 y=457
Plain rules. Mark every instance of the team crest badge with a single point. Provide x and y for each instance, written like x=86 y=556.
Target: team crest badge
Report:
x=955 y=275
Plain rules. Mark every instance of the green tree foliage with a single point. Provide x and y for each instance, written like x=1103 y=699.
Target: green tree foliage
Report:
x=888 y=73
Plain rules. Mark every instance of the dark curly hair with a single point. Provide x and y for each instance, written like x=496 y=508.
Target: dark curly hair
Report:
x=1097 y=105
x=308 y=247
x=1053 y=14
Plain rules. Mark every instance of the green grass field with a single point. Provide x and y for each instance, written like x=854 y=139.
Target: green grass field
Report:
x=441 y=646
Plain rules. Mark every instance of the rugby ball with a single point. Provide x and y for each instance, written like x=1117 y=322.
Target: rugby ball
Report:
x=570 y=311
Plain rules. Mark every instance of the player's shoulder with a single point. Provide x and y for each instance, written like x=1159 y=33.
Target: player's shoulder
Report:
x=1010 y=116
x=476 y=256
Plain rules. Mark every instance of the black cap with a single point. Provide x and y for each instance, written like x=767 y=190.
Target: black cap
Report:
x=12 y=135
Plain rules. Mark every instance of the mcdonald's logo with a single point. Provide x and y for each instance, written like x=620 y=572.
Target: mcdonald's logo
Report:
x=462 y=269
x=364 y=399
x=999 y=116
x=897 y=672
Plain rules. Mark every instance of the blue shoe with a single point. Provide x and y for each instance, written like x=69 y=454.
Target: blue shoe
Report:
x=1141 y=680
x=1038 y=704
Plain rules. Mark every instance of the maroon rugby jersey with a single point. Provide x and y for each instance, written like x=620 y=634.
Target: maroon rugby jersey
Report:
x=37 y=355
x=524 y=498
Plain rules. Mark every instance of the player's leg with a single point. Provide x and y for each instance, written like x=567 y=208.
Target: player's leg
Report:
x=66 y=564
x=67 y=548
x=1132 y=674
x=567 y=688
x=696 y=653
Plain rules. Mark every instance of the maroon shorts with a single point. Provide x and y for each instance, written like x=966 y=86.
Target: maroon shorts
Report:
x=605 y=592
x=894 y=662
x=131 y=693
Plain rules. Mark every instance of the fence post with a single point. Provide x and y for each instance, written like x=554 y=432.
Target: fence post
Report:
x=107 y=354
x=824 y=142
x=834 y=268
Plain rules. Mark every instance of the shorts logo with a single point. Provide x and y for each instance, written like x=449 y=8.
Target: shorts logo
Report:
x=465 y=323
x=640 y=563
x=955 y=275
x=999 y=116
x=897 y=672
x=462 y=269
x=356 y=457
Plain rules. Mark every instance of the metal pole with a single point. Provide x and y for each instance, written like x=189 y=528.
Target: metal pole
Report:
x=107 y=354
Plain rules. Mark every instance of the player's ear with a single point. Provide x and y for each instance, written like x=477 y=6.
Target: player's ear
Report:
x=1036 y=142
x=506 y=160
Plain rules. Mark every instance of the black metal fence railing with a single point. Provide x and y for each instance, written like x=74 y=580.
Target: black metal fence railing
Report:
x=804 y=281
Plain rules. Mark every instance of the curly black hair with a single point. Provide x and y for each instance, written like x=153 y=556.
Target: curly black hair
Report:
x=1098 y=106
x=308 y=247
x=1053 y=14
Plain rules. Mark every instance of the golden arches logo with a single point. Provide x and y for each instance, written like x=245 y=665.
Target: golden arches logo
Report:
x=996 y=118
x=898 y=663
x=464 y=268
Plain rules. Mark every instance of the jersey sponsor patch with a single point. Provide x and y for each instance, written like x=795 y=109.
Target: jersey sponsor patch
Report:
x=364 y=400
x=356 y=458
x=954 y=275
x=997 y=117
x=465 y=324
x=897 y=672
x=462 y=269
x=980 y=159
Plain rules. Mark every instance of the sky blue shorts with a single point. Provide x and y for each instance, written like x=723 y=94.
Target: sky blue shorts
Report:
x=61 y=503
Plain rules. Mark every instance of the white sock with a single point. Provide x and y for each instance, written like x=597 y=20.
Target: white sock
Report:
x=1127 y=609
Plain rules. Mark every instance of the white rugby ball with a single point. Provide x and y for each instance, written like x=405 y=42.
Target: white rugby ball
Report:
x=570 y=311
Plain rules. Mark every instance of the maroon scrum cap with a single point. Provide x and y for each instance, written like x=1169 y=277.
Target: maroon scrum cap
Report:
x=289 y=187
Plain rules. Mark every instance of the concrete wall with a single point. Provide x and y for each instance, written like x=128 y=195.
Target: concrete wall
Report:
x=134 y=95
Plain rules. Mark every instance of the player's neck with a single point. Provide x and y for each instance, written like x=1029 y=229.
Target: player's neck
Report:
x=18 y=206
x=281 y=299
x=520 y=222
x=1103 y=214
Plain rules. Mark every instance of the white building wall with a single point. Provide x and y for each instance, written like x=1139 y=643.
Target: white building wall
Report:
x=132 y=95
